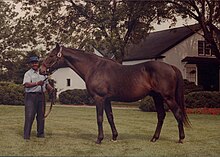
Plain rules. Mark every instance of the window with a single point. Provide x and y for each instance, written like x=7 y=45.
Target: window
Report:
x=68 y=81
x=200 y=47
x=204 y=48
x=191 y=73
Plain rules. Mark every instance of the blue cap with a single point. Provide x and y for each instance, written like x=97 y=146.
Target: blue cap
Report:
x=33 y=59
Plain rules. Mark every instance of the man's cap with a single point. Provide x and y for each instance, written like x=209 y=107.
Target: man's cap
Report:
x=33 y=59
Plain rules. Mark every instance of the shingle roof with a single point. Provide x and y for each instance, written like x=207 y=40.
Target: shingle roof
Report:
x=159 y=42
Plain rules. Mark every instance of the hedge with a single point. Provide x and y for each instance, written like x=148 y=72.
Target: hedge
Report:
x=194 y=98
x=11 y=93
x=203 y=99
x=191 y=87
x=76 y=97
x=147 y=105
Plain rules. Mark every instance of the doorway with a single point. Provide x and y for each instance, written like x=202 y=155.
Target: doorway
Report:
x=208 y=76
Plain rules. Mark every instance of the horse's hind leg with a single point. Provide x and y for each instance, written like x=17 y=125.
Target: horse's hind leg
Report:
x=158 y=100
x=109 y=114
x=178 y=115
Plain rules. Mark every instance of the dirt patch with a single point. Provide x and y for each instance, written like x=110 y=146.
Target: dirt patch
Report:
x=213 y=111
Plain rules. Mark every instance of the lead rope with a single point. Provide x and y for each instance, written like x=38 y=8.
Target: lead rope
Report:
x=44 y=104
x=51 y=106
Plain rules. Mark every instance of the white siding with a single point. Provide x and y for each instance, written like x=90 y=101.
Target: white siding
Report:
x=61 y=76
x=187 y=48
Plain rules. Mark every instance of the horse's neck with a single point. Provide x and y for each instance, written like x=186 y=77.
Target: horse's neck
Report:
x=81 y=64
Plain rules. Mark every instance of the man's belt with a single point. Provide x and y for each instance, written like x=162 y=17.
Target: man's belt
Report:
x=34 y=92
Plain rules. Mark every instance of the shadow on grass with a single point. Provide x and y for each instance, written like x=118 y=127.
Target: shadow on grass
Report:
x=144 y=137
x=93 y=136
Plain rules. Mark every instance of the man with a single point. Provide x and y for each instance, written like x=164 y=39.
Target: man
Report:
x=35 y=86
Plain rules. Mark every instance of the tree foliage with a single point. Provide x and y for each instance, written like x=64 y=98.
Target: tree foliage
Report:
x=207 y=13
x=109 y=24
x=7 y=55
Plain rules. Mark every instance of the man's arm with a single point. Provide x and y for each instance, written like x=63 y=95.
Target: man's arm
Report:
x=33 y=84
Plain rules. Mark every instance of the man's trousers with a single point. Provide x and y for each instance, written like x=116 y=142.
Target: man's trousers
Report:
x=34 y=106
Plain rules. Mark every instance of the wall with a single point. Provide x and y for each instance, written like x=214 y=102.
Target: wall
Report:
x=61 y=76
x=188 y=47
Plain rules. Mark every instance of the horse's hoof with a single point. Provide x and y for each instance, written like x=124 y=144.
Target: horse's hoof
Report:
x=154 y=139
x=180 y=141
x=112 y=140
x=98 y=142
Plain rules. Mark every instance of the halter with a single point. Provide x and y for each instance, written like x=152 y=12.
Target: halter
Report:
x=59 y=55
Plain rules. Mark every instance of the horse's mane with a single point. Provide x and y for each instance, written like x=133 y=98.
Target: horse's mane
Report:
x=92 y=55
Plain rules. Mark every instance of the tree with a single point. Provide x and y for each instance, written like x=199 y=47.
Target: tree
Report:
x=7 y=56
x=207 y=13
x=109 y=24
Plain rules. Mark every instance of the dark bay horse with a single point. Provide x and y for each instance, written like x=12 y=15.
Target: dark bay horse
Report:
x=107 y=80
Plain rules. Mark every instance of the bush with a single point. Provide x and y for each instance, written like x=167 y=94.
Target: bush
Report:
x=147 y=105
x=203 y=99
x=11 y=93
x=75 y=96
x=191 y=87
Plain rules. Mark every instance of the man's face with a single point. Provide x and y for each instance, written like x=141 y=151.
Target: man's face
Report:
x=34 y=65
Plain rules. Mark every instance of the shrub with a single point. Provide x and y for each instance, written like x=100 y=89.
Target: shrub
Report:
x=191 y=87
x=11 y=93
x=203 y=99
x=147 y=105
x=75 y=96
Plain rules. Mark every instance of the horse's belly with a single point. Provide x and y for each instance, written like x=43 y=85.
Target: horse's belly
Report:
x=131 y=96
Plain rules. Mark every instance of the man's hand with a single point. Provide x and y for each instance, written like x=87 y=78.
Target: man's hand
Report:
x=40 y=83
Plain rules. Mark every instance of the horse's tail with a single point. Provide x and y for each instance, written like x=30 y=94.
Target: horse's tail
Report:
x=179 y=95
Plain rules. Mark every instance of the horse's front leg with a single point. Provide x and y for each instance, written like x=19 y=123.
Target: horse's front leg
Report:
x=99 y=111
x=109 y=114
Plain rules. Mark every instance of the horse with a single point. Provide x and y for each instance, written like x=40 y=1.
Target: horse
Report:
x=106 y=81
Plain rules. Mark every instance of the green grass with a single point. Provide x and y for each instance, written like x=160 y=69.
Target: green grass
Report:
x=72 y=131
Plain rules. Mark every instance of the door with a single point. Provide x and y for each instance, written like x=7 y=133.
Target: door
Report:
x=208 y=76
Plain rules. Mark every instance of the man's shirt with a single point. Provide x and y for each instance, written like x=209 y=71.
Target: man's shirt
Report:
x=34 y=76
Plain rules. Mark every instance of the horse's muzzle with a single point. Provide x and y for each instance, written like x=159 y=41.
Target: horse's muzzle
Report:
x=43 y=70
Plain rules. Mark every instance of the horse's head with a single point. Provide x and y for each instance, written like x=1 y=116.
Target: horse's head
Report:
x=53 y=61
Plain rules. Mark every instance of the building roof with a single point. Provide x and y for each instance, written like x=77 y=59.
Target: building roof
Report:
x=157 y=43
x=197 y=60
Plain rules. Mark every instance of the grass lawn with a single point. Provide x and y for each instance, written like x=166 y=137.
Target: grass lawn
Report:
x=72 y=131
